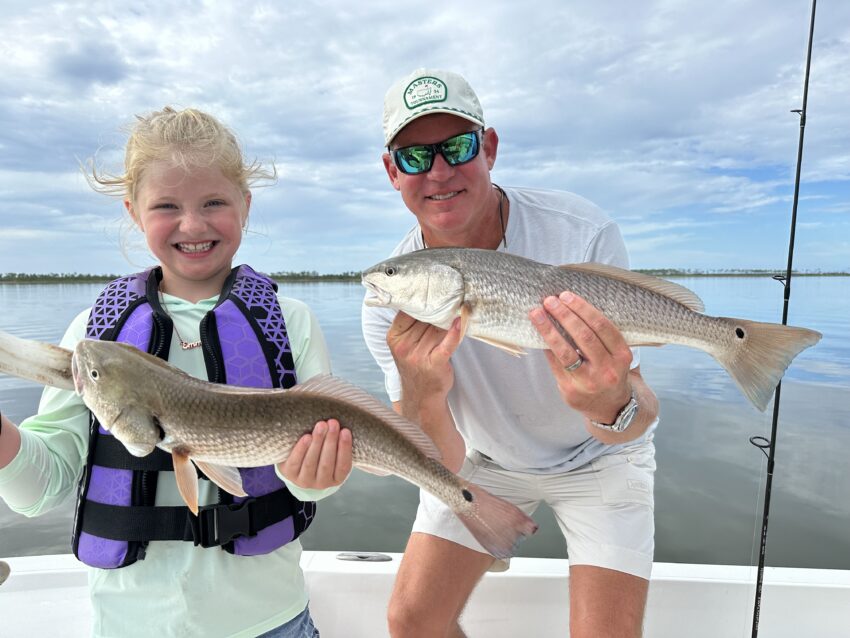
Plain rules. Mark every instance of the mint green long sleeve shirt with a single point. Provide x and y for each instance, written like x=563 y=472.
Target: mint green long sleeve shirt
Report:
x=178 y=589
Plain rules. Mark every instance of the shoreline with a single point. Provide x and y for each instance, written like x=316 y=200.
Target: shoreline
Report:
x=352 y=277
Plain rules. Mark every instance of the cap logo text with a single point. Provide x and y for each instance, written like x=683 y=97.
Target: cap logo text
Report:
x=424 y=90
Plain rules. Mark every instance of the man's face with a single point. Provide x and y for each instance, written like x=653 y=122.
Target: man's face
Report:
x=450 y=202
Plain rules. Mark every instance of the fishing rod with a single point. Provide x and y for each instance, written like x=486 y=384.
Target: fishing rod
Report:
x=759 y=441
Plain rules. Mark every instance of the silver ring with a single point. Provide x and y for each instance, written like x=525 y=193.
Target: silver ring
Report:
x=575 y=365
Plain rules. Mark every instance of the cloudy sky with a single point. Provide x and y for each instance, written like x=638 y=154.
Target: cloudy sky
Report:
x=672 y=115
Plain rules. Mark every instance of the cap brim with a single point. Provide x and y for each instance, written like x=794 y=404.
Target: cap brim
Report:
x=432 y=111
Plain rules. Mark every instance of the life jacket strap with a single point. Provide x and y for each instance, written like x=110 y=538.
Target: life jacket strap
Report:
x=110 y=452
x=214 y=526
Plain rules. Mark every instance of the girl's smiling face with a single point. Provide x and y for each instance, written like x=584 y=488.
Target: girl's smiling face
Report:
x=192 y=219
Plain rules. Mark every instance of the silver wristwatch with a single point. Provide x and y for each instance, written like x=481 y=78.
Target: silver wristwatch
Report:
x=624 y=418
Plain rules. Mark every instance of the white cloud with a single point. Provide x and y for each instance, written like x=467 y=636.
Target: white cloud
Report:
x=664 y=112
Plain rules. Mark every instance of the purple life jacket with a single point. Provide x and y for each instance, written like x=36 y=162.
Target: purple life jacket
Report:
x=244 y=343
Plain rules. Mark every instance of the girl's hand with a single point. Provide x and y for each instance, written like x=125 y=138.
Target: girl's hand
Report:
x=320 y=460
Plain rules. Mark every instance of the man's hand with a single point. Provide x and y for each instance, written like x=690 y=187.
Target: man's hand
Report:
x=320 y=460
x=600 y=386
x=422 y=354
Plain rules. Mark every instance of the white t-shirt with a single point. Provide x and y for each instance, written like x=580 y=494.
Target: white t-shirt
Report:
x=505 y=407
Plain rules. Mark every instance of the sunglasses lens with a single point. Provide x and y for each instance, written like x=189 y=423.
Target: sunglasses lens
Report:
x=461 y=148
x=414 y=159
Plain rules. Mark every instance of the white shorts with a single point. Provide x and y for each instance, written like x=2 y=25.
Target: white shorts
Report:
x=604 y=509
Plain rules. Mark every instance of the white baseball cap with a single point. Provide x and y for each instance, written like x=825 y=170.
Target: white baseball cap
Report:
x=427 y=91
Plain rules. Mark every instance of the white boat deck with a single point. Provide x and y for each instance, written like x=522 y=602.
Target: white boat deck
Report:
x=47 y=596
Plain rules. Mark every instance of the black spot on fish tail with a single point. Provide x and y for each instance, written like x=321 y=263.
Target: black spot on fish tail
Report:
x=739 y=332
x=468 y=495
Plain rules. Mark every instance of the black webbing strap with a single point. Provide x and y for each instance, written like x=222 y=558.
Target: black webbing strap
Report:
x=215 y=524
x=110 y=452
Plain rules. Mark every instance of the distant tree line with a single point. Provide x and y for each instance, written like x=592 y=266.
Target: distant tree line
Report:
x=354 y=276
x=312 y=275
x=736 y=272
x=81 y=278
x=53 y=277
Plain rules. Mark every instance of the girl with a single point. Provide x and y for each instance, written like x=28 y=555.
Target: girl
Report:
x=156 y=569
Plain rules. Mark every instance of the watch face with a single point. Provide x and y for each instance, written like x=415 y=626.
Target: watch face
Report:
x=626 y=417
x=623 y=420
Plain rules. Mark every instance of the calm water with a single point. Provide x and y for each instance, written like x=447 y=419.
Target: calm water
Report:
x=709 y=480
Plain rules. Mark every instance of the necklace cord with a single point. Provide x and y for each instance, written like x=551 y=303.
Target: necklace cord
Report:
x=185 y=345
x=502 y=197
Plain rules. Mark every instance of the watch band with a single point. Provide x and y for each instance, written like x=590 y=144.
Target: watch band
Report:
x=624 y=417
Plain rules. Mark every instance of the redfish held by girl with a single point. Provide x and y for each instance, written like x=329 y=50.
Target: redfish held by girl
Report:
x=145 y=403
x=493 y=292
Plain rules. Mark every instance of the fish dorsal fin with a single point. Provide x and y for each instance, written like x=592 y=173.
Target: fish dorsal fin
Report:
x=333 y=387
x=677 y=293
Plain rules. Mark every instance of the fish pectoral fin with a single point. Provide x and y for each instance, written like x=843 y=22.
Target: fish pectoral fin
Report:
x=377 y=471
x=187 y=480
x=227 y=478
x=502 y=345
x=465 y=314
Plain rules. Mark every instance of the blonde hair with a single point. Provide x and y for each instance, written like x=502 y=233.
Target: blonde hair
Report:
x=187 y=138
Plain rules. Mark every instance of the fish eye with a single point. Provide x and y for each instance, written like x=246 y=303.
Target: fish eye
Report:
x=94 y=374
x=389 y=271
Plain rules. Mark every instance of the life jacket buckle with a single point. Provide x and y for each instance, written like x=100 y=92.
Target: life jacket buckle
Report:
x=221 y=523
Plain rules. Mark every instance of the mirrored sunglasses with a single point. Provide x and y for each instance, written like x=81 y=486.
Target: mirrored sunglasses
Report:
x=460 y=149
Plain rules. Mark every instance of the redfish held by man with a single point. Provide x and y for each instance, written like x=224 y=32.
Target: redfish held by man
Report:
x=493 y=292
x=146 y=403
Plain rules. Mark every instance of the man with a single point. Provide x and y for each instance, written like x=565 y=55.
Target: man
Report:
x=570 y=426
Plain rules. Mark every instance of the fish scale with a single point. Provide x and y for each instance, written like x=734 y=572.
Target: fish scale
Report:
x=218 y=432
x=502 y=295
x=494 y=293
x=145 y=402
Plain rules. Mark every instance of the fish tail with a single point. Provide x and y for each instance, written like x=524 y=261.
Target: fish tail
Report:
x=35 y=361
x=767 y=351
x=498 y=525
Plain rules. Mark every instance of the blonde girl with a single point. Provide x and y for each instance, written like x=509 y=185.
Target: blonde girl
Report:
x=155 y=568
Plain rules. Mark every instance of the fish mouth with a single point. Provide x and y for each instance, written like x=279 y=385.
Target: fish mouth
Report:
x=377 y=302
x=75 y=373
x=138 y=449
x=382 y=297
